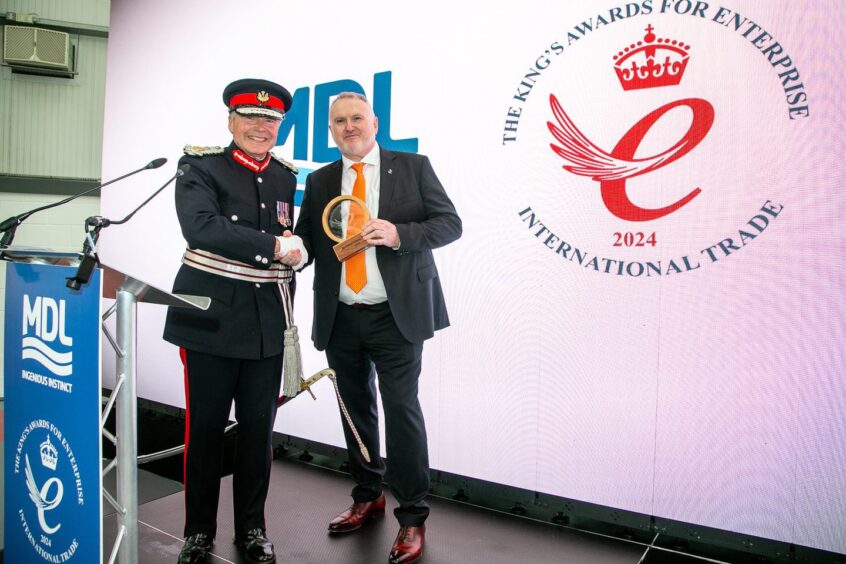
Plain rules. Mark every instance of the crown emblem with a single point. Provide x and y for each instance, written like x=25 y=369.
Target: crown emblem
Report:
x=49 y=454
x=262 y=97
x=651 y=63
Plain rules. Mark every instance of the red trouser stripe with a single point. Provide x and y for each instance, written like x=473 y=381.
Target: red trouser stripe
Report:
x=184 y=359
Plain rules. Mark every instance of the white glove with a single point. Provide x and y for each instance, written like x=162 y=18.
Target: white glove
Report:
x=293 y=243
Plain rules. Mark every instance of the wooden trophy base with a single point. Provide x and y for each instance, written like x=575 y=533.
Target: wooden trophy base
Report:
x=349 y=247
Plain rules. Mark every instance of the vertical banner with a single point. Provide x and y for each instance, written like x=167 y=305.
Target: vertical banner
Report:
x=52 y=432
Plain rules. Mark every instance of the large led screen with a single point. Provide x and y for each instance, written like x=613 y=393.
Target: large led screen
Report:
x=647 y=303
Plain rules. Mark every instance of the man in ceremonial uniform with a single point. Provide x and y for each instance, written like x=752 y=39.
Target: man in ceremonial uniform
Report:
x=373 y=311
x=235 y=208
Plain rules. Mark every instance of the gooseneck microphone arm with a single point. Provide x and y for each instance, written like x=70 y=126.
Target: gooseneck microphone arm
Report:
x=93 y=226
x=99 y=221
x=10 y=225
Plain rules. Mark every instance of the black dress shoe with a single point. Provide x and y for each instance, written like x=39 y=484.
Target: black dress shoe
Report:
x=196 y=549
x=255 y=546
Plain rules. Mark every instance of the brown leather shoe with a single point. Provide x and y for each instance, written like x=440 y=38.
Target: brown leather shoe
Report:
x=354 y=517
x=408 y=547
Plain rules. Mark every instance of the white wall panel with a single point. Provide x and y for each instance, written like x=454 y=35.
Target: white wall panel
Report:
x=51 y=126
x=54 y=126
x=91 y=12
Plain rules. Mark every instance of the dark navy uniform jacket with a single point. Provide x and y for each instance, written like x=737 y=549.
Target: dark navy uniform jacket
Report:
x=230 y=210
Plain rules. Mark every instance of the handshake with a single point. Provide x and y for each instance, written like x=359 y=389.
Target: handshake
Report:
x=290 y=250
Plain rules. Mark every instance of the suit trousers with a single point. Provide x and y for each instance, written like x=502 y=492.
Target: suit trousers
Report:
x=366 y=342
x=212 y=383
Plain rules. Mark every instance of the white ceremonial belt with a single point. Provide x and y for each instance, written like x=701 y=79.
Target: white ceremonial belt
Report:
x=278 y=273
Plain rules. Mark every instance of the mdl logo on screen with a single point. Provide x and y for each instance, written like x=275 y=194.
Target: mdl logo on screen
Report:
x=314 y=134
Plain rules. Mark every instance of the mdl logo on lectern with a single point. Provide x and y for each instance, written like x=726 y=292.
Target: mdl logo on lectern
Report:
x=45 y=340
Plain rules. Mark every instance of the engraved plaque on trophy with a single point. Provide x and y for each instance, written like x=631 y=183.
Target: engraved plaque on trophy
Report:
x=335 y=221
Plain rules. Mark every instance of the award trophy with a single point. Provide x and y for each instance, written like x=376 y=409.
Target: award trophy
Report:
x=335 y=218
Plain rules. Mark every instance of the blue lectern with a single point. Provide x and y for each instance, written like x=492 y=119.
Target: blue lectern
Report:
x=52 y=382
x=53 y=427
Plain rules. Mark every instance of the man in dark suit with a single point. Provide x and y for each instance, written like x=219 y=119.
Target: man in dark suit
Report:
x=372 y=312
x=235 y=208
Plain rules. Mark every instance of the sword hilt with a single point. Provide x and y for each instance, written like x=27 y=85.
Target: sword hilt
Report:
x=305 y=385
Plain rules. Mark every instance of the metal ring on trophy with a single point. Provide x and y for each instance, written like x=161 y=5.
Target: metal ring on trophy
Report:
x=335 y=216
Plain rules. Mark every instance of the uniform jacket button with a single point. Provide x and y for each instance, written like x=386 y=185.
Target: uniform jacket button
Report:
x=263 y=206
x=234 y=218
x=258 y=258
x=264 y=260
x=259 y=180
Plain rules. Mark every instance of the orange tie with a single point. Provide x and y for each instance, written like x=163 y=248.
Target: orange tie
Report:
x=356 y=276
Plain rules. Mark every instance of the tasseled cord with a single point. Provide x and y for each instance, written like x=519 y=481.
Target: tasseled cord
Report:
x=292 y=372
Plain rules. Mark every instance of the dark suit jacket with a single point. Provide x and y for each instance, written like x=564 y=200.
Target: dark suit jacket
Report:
x=224 y=209
x=412 y=198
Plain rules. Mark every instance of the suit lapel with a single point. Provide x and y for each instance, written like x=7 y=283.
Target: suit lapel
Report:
x=386 y=180
x=329 y=190
x=333 y=184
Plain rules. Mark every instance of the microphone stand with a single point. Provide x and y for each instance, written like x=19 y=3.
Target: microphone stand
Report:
x=95 y=224
x=10 y=225
x=90 y=259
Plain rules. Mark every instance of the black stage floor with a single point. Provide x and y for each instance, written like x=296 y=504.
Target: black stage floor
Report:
x=304 y=498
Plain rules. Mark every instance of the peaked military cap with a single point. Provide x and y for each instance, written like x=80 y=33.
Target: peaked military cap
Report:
x=254 y=96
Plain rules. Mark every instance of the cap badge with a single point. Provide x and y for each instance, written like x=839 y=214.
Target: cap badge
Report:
x=262 y=97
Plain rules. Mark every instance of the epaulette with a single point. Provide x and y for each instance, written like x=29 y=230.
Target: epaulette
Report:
x=283 y=162
x=197 y=151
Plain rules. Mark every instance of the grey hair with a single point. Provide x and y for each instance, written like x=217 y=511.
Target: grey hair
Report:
x=356 y=95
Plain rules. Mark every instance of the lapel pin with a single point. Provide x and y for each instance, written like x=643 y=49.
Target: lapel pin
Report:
x=390 y=171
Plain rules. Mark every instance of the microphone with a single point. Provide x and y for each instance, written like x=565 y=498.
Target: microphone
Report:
x=10 y=225
x=100 y=221
x=90 y=260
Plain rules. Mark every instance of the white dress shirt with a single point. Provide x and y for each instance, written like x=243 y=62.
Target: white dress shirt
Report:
x=374 y=291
